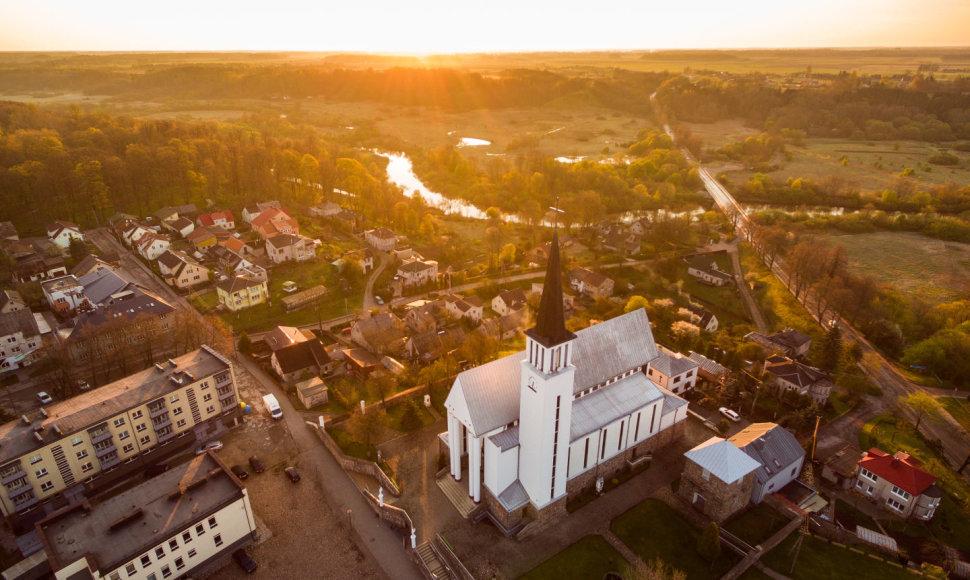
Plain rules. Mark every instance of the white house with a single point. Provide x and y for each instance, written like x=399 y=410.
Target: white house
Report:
x=381 y=239
x=19 y=338
x=61 y=233
x=417 y=272
x=549 y=421
x=673 y=371
x=776 y=450
x=470 y=308
x=705 y=269
x=508 y=300
x=151 y=246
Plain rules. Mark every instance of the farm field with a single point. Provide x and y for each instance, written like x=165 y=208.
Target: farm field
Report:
x=917 y=265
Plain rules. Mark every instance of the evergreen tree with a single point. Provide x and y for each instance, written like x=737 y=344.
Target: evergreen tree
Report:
x=709 y=544
x=831 y=355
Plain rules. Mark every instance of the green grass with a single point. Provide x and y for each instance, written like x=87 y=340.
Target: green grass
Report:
x=850 y=517
x=818 y=559
x=396 y=414
x=653 y=530
x=723 y=301
x=590 y=557
x=778 y=304
x=958 y=408
x=757 y=524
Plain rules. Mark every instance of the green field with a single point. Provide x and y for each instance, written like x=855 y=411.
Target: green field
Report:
x=590 y=557
x=916 y=265
x=818 y=559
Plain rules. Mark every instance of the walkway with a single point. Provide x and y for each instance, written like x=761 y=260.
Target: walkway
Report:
x=750 y=304
x=385 y=546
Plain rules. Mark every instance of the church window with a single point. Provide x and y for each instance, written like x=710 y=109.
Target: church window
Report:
x=619 y=441
x=586 y=454
x=636 y=430
x=653 y=416
x=603 y=446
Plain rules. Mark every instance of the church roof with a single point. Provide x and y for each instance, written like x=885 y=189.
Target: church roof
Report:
x=550 y=328
x=609 y=404
x=601 y=352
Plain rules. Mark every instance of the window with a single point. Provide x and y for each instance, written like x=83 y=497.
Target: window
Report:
x=868 y=474
x=130 y=569
x=114 y=576
x=901 y=492
x=166 y=571
x=890 y=501
x=47 y=486
x=205 y=385
x=119 y=421
x=146 y=561
x=218 y=539
x=159 y=552
x=186 y=537
x=42 y=472
x=179 y=563
x=180 y=423
x=192 y=553
x=706 y=475
x=210 y=409
x=676 y=380
x=177 y=411
x=173 y=544
x=152 y=576
x=136 y=414
x=145 y=440
x=200 y=530
x=793 y=470
x=174 y=399
x=207 y=397
x=77 y=440
x=141 y=427
x=35 y=458
x=123 y=435
x=87 y=467
x=213 y=523
x=82 y=454
x=128 y=448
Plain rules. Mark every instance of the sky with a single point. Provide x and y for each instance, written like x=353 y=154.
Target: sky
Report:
x=452 y=26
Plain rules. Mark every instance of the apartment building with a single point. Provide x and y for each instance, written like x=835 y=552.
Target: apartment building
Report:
x=79 y=440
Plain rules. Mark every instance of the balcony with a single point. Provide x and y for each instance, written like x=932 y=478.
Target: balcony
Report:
x=225 y=393
x=100 y=452
x=161 y=422
x=27 y=501
x=156 y=410
x=109 y=461
x=223 y=378
x=12 y=473
x=99 y=435
x=165 y=435
x=19 y=491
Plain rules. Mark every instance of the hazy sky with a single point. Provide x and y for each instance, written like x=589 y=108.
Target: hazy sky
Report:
x=465 y=26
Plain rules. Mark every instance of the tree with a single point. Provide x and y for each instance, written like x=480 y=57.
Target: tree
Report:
x=366 y=427
x=709 y=544
x=723 y=426
x=245 y=345
x=923 y=404
x=78 y=250
x=635 y=303
x=831 y=354
x=411 y=419
x=657 y=569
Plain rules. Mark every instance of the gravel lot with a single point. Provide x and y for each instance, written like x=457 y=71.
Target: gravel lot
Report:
x=307 y=538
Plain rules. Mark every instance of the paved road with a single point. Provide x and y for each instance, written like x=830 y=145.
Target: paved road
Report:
x=341 y=492
x=369 y=301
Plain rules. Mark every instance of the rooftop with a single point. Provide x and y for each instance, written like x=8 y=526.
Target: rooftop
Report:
x=722 y=459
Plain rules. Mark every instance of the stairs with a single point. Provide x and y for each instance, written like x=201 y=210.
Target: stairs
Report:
x=431 y=563
x=457 y=494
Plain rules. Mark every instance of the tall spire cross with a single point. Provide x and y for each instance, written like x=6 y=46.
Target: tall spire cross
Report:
x=555 y=219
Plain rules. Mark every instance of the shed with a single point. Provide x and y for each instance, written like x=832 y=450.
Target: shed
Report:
x=312 y=392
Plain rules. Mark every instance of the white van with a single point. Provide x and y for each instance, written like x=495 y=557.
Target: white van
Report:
x=273 y=406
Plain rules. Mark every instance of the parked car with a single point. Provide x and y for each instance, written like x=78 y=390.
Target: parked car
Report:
x=239 y=472
x=292 y=473
x=379 y=300
x=210 y=446
x=245 y=561
x=256 y=464
x=732 y=415
x=44 y=398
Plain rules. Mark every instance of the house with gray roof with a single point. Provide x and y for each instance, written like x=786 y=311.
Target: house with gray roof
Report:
x=673 y=371
x=19 y=339
x=717 y=479
x=704 y=268
x=777 y=451
x=787 y=341
x=791 y=375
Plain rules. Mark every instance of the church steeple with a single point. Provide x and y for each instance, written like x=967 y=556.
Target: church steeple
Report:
x=550 y=329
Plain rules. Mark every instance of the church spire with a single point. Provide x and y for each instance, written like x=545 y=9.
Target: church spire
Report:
x=550 y=328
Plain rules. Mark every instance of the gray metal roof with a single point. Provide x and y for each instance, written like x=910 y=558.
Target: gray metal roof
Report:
x=771 y=445
x=722 y=459
x=672 y=365
x=609 y=403
x=507 y=439
x=514 y=496
x=672 y=402
x=99 y=286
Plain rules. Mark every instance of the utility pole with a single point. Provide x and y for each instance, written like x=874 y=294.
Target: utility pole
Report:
x=818 y=418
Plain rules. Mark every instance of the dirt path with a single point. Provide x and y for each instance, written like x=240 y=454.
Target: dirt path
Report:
x=750 y=304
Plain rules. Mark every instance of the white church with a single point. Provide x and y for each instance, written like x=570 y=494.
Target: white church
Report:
x=541 y=424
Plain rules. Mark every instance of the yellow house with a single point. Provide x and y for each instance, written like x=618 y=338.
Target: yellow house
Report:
x=240 y=292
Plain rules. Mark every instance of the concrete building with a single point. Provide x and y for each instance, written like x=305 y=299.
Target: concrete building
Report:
x=50 y=453
x=65 y=295
x=717 y=479
x=417 y=272
x=181 y=523
x=704 y=268
x=289 y=248
x=381 y=239
x=61 y=233
x=673 y=371
x=19 y=339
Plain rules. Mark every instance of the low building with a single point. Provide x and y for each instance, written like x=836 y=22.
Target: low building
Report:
x=673 y=371
x=304 y=298
x=707 y=369
x=90 y=264
x=223 y=219
x=791 y=375
x=36 y=268
x=897 y=483
x=778 y=453
x=181 y=271
x=590 y=283
x=290 y=248
x=301 y=360
x=417 y=273
x=8 y=231
x=718 y=479
x=151 y=246
x=238 y=293
x=284 y=336
x=382 y=333
x=11 y=301
x=429 y=346
x=73 y=442
x=703 y=318
x=468 y=308
x=20 y=338
x=65 y=295
x=274 y=221
x=184 y=522
x=791 y=343
x=839 y=466
x=312 y=392
x=704 y=268
x=362 y=361
x=62 y=233
x=424 y=317
x=182 y=226
x=250 y=213
x=202 y=238
x=508 y=300
x=381 y=239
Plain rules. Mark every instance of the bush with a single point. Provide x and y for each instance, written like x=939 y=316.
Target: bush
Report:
x=944 y=158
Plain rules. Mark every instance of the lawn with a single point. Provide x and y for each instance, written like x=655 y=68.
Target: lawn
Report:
x=779 y=306
x=652 y=529
x=396 y=412
x=757 y=524
x=590 y=557
x=723 y=301
x=850 y=517
x=818 y=559
x=958 y=408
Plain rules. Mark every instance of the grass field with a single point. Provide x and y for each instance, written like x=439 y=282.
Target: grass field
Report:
x=590 y=557
x=958 y=408
x=779 y=306
x=757 y=524
x=819 y=559
x=916 y=265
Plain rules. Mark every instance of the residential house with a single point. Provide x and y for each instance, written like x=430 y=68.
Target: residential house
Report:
x=325 y=209
x=469 y=308
x=897 y=483
x=284 y=336
x=132 y=231
x=673 y=371
x=61 y=233
x=641 y=227
x=708 y=369
x=70 y=447
x=787 y=341
x=19 y=339
x=222 y=219
x=8 y=231
x=508 y=300
x=704 y=319
x=238 y=293
x=381 y=239
x=365 y=257
x=417 y=273
x=780 y=457
x=11 y=301
x=704 y=268
x=236 y=245
x=622 y=242
x=186 y=522
x=504 y=327
x=839 y=465
x=251 y=212
x=424 y=317
x=312 y=392
x=182 y=226
x=227 y=261
x=429 y=346
x=301 y=360
x=36 y=268
x=592 y=284
x=539 y=254
x=202 y=238
x=65 y=295
x=181 y=271
x=151 y=246
x=718 y=479
x=91 y=263
x=289 y=248
x=166 y=214
x=381 y=333
x=361 y=361
x=794 y=376
x=273 y=222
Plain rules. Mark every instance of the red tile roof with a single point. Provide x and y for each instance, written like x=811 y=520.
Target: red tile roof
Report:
x=900 y=469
